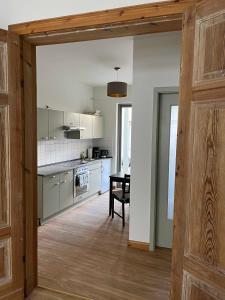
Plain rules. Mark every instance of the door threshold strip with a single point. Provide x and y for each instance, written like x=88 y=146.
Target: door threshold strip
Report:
x=64 y=293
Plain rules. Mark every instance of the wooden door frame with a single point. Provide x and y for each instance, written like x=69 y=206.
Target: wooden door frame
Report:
x=120 y=22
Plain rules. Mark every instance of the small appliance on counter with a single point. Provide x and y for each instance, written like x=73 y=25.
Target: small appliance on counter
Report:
x=104 y=153
x=96 y=152
x=90 y=153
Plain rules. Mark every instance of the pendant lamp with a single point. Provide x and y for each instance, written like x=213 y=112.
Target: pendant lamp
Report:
x=117 y=89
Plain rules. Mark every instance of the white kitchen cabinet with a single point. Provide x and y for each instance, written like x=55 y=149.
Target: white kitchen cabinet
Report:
x=86 y=126
x=97 y=127
x=94 y=178
x=71 y=119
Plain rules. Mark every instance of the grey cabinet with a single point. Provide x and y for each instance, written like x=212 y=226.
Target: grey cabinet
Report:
x=55 y=125
x=50 y=195
x=94 y=178
x=66 y=190
x=49 y=124
x=42 y=124
x=55 y=193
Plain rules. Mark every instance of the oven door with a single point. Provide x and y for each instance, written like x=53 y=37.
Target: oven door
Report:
x=81 y=183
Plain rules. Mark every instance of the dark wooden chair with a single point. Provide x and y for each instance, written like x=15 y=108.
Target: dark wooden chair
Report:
x=123 y=196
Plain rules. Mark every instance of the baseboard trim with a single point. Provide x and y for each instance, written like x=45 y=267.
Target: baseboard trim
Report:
x=138 y=245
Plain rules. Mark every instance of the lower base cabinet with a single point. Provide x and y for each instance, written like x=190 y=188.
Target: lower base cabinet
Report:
x=55 y=193
x=66 y=190
x=94 y=178
x=50 y=195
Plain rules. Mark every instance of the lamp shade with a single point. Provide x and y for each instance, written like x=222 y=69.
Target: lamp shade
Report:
x=117 y=89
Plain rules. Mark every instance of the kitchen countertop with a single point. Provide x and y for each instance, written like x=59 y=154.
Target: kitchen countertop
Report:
x=64 y=166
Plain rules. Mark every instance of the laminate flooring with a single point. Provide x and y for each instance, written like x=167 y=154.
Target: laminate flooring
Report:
x=84 y=252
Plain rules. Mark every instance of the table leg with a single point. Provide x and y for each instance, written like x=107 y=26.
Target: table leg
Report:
x=110 y=197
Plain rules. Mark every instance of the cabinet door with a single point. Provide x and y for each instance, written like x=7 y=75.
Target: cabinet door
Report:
x=66 y=189
x=42 y=124
x=106 y=172
x=55 y=125
x=71 y=119
x=97 y=127
x=95 y=181
x=50 y=195
x=86 y=124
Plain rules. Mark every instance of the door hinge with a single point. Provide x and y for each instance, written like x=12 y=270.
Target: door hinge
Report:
x=24 y=258
x=22 y=83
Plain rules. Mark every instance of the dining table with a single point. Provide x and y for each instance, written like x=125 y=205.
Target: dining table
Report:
x=118 y=177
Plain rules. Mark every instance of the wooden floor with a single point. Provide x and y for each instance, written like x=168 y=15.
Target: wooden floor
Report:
x=83 y=252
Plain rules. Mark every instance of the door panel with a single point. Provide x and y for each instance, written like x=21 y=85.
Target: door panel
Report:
x=11 y=172
x=166 y=172
x=198 y=266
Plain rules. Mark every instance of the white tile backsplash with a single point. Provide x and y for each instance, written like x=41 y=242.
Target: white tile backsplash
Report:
x=50 y=152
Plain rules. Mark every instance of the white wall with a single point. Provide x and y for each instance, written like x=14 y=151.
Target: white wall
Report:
x=14 y=11
x=156 y=64
x=58 y=84
x=109 y=108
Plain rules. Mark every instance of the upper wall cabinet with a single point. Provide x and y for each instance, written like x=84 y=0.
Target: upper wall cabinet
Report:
x=71 y=119
x=97 y=127
x=49 y=123
x=55 y=125
x=86 y=126
x=42 y=124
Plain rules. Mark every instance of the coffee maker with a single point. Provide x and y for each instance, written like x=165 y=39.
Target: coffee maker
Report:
x=96 y=152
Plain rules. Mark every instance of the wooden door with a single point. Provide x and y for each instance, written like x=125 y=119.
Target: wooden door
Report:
x=198 y=267
x=11 y=173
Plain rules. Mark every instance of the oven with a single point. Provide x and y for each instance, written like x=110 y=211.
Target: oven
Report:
x=81 y=181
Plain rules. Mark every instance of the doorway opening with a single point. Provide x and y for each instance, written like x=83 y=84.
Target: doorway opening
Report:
x=124 y=136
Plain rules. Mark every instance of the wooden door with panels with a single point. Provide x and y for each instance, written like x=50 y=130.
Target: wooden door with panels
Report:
x=11 y=179
x=198 y=267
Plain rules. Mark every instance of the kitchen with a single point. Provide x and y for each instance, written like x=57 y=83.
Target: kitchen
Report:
x=69 y=181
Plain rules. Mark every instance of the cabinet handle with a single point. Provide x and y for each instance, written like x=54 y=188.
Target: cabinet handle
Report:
x=45 y=138
x=63 y=182
x=67 y=173
x=56 y=183
x=52 y=176
x=53 y=138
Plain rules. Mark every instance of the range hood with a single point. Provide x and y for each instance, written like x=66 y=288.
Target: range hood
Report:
x=73 y=132
x=72 y=128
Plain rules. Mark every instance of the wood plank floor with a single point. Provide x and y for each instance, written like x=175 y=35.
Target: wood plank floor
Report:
x=84 y=252
x=44 y=294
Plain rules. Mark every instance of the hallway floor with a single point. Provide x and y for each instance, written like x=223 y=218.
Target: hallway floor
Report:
x=84 y=252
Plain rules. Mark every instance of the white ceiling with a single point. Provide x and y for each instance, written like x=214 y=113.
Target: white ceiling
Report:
x=14 y=11
x=89 y=62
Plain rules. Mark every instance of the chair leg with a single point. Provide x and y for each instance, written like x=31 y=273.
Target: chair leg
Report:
x=123 y=213
x=112 y=208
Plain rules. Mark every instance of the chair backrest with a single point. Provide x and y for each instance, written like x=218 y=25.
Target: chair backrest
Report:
x=126 y=184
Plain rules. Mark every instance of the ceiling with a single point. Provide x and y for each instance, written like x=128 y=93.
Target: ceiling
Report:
x=90 y=62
